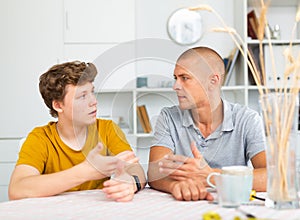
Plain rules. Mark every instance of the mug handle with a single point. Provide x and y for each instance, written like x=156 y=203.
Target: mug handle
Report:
x=208 y=179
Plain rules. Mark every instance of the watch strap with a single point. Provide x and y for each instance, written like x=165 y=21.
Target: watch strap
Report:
x=137 y=183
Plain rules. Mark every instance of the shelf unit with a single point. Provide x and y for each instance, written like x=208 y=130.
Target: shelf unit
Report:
x=114 y=104
x=249 y=95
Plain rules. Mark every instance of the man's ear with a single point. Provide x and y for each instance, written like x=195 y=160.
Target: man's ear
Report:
x=215 y=79
x=57 y=106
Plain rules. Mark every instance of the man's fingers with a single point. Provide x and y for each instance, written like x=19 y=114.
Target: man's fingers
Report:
x=173 y=172
x=176 y=158
x=166 y=170
x=170 y=165
x=195 y=150
x=176 y=192
x=178 y=178
x=209 y=196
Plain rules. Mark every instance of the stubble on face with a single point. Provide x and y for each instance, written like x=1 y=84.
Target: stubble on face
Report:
x=193 y=91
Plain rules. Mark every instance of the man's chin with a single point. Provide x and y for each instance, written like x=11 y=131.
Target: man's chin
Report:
x=183 y=107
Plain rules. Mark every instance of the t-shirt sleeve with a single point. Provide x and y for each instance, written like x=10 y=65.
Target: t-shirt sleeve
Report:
x=33 y=152
x=162 y=133
x=255 y=138
x=115 y=139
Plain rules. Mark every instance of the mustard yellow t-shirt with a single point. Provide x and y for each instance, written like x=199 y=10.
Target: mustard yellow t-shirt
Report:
x=44 y=150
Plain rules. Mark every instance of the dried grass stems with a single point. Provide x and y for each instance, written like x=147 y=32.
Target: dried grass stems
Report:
x=279 y=114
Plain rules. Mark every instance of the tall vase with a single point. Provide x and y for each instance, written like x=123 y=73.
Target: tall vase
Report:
x=280 y=113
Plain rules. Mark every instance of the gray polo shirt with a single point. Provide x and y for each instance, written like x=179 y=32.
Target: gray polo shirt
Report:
x=240 y=137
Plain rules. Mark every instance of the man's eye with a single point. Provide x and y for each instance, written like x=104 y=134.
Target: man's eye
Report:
x=83 y=96
x=184 y=78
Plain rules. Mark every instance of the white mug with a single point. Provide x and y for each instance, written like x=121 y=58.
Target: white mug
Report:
x=233 y=184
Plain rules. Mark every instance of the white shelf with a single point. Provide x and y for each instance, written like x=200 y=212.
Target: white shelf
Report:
x=276 y=2
x=142 y=135
x=115 y=91
x=232 y=88
x=144 y=90
x=155 y=90
x=274 y=42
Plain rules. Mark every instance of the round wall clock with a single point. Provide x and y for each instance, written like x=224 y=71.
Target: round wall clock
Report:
x=184 y=26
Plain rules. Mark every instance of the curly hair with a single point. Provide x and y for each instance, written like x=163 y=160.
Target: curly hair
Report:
x=52 y=84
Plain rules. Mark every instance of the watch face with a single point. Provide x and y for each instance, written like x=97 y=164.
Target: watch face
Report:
x=184 y=26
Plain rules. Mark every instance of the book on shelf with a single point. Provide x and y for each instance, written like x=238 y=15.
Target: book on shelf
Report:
x=230 y=65
x=298 y=119
x=254 y=53
x=252 y=25
x=144 y=118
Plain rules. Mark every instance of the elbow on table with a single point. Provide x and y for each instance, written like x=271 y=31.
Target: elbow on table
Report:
x=151 y=179
x=13 y=194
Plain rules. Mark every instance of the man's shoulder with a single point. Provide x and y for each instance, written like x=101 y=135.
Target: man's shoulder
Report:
x=172 y=110
x=237 y=108
x=241 y=112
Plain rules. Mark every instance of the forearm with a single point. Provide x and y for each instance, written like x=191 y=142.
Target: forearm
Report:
x=137 y=169
x=165 y=184
x=260 y=179
x=48 y=184
x=212 y=179
x=158 y=180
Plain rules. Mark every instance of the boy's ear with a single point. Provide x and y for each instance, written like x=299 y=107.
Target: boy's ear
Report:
x=57 y=105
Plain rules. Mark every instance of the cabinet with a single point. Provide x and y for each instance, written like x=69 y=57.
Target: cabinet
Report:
x=98 y=21
x=92 y=31
x=31 y=42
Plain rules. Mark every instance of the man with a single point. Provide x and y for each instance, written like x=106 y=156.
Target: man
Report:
x=79 y=151
x=203 y=133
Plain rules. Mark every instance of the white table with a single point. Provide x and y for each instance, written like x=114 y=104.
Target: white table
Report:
x=147 y=204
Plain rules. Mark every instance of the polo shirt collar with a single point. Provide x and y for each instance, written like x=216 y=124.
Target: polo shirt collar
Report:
x=187 y=119
x=227 y=124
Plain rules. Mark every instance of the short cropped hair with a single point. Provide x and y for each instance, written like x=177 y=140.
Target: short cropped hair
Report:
x=52 y=84
x=211 y=58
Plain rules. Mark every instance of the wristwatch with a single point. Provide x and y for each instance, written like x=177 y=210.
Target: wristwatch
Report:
x=137 y=183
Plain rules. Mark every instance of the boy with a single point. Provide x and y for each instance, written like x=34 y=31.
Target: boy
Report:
x=79 y=151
